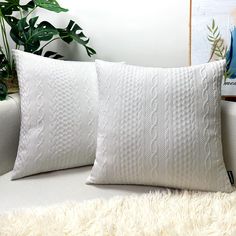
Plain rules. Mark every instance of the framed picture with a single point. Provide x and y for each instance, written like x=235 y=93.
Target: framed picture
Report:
x=212 y=31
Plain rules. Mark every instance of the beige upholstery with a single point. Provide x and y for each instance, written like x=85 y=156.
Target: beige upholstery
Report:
x=58 y=186
x=229 y=135
x=9 y=132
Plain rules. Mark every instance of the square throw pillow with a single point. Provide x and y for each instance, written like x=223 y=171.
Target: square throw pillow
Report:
x=160 y=127
x=58 y=114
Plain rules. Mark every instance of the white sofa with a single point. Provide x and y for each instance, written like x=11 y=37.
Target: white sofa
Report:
x=43 y=189
x=66 y=185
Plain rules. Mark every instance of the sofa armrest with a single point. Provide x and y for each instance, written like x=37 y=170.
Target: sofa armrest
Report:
x=229 y=135
x=9 y=131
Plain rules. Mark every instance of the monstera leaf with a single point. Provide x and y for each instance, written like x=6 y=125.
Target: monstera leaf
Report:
x=90 y=51
x=7 y=7
x=51 y=5
x=53 y=55
x=73 y=32
x=30 y=35
x=48 y=54
x=11 y=20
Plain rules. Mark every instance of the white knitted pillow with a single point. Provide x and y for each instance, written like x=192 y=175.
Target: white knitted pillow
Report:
x=58 y=114
x=160 y=127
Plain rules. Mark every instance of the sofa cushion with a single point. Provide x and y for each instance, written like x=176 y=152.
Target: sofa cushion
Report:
x=160 y=127
x=55 y=187
x=58 y=114
x=9 y=131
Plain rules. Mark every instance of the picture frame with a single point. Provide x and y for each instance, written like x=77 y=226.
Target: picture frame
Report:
x=205 y=14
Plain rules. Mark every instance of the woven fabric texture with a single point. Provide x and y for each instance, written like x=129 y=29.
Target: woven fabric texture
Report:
x=160 y=127
x=58 y=114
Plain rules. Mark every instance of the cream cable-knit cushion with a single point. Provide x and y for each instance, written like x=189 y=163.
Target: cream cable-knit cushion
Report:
x=58 y=114
x=160 y=127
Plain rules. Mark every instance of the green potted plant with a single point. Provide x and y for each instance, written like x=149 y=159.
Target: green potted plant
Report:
x=31 y=36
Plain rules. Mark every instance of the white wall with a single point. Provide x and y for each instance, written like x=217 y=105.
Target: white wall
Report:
x=143 y=32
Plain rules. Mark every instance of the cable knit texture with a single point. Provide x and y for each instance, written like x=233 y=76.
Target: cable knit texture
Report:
x=58 y=114
x=160 y=127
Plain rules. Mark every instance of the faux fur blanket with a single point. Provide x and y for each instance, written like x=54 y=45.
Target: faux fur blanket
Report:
x=160 y=213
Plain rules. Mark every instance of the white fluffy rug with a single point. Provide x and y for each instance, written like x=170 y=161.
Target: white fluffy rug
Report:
x=167 y=213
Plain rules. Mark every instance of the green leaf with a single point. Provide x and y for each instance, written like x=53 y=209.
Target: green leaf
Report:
x=30 y=36
x=16 y=36
x=17 y=31
x=29 y=5
x=227 y=63
x=3 y=62
x=210 y=36
x=72 y=33
x=218 y=55
x=22 y=25
x=44 y=32
x=213 y=24
x=53 y=55
x=3 y=91
x=39 y=52
x=49 y=54
x=210 y=39
x=32 y=21
x=218 y=36
x=214 y=32
x=220 y=44
x=51 y=5
x=228 y=74
x=209 y=28
x=90 y=51
x=7 y=7
x=3 y=67
x=12 y=21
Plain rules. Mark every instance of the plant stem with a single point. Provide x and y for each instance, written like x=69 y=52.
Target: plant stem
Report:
x=1 y=50
x=6 y=46
x=31 y=11
x=21 y=14
x=213 y=50
x=5 y=40
x=7 y=43
x=2 y=30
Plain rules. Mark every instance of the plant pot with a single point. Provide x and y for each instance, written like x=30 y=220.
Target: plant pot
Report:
x=9 y=130
x=8 y=86
x=12 y=85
